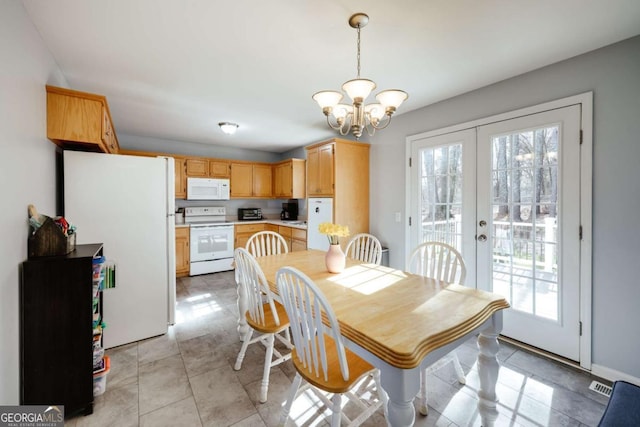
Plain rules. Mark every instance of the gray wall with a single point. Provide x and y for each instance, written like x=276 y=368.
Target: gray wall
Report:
x=613 y=74
x=27 y=167
x=133 y=142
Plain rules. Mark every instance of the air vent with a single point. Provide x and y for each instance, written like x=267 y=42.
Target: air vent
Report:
x=600 y=388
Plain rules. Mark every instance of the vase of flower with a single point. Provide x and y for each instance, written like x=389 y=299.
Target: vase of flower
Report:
x=335 y=259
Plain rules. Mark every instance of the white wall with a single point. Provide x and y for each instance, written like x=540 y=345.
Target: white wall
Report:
x=613 y=74
x=27 y=167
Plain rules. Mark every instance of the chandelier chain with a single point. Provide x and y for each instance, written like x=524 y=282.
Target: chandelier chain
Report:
x=358 y=51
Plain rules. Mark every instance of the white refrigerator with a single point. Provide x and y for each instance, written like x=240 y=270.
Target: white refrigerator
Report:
x=319 y=210
x=128 y=204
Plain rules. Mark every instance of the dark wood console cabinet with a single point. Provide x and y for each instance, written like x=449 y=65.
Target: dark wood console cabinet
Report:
x=56 y=331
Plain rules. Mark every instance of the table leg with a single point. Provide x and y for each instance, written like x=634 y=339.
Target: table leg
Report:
x=488 y=368
x=243 y=327
x=401 y=386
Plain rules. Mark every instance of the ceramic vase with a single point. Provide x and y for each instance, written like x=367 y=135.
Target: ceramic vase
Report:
x=335 y=259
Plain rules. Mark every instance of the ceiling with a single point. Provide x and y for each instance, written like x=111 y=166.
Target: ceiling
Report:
x=173 y=69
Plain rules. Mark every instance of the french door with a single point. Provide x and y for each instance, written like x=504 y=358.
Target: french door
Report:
x=507 y=196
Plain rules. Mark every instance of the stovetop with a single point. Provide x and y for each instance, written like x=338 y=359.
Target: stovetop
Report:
x=208 y=222
x=206 y=215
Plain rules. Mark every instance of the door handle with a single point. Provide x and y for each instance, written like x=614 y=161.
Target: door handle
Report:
x=482 y=223
x=482 y=238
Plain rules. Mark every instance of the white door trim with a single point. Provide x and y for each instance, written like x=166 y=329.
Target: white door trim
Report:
x=586 y=185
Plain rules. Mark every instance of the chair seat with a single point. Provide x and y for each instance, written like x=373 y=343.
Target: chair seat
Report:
x=358 y=368
x=623 y=408
x=270 y=326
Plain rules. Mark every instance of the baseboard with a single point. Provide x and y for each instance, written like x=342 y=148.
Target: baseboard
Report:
x=612 y=375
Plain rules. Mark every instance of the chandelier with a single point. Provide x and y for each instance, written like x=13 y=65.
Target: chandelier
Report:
x=357 y=117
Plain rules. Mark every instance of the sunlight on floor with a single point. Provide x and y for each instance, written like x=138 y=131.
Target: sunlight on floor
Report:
x=521 y=398
x=197 y=306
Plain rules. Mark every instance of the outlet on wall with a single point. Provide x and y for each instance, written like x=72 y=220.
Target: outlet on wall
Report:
x=398 y=217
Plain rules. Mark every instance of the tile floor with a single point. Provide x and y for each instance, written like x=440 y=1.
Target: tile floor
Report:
x=185 y=378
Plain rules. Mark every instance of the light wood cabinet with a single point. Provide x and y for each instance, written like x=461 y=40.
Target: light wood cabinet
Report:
x=289 y=179
x=198 y=167
x=180 y=166
x=219 y=168
x=251 y=180
x=271 y=227
x=320 y=165
x=262 y=179
x=80 y=120
x=202 y=167
x=182 y=251
x=242 y=233
x=296 y=238
x=339 y=168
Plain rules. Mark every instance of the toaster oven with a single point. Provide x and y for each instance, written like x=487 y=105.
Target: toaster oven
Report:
x=249 y=214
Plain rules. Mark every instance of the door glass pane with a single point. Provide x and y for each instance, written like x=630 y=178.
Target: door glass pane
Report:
x=524 y=193
x=441 y=194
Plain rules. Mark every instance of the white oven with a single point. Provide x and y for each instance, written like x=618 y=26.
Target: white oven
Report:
x=211 y=240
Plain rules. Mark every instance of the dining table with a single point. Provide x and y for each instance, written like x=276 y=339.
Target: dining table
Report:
x=402 y=323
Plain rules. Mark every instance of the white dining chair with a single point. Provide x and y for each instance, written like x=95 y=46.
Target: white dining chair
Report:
x=264 y=315
x=266 y=243
x=442 y=262
x=365 y=247
x=319 y=355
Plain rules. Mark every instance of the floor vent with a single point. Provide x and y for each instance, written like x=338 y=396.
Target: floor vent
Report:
x=600 y=388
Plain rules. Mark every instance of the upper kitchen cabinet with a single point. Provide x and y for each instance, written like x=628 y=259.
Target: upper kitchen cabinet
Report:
x=339 y=168
x=219 y=168
x=251 y=180
x=207 y=168
x=320 y=166
x=80 y=120
x=289 y=179
x=181 y=177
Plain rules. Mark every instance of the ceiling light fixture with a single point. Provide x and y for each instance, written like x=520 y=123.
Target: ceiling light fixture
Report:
x=358 y=116
x=228 y=127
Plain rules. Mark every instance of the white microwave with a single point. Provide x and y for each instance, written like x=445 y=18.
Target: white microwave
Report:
x=207 y=189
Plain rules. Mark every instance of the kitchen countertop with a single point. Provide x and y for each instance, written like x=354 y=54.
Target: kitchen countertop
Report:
x=293 y=224
x=302 y=225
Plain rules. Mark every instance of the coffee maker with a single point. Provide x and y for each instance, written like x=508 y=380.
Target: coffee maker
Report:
x=289 y=210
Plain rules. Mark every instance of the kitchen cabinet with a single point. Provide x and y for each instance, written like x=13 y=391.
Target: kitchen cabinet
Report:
x=320 y=166
x=251 y=180
x=219 y=168
x=80 y=120
x=242 y=233
x=271 y=227
x=182 y=251
x=56 y=330
x=207 y=168
x=197 y=167
x=180 y=167
x=339 y=168
x=296 y=238
x=289 y=179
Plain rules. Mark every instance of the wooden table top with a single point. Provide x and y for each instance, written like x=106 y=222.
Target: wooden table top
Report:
x=397 y=316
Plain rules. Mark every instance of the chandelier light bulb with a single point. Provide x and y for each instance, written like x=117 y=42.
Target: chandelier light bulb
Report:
x=359 y=88
x=392 y=98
